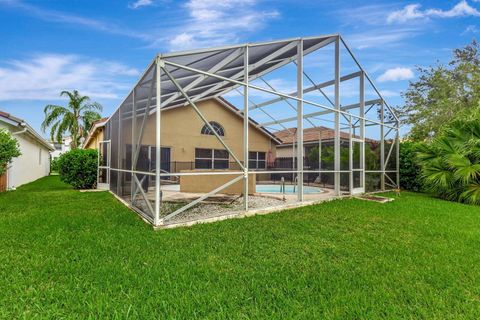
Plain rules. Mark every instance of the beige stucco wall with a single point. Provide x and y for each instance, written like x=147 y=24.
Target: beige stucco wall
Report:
x=285 y=151
x=96 y=137
x=207 y=183
x=181 y=127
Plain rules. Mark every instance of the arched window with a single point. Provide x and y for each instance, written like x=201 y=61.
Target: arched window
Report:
x=216 y=126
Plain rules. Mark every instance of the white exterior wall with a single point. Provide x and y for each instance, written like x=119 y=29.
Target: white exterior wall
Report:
x=65 y=148
x=32 y=164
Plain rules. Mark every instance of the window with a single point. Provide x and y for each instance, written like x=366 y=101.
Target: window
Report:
x=216 y=126
x=40 y=156
x=257 y=160
x=211 y=159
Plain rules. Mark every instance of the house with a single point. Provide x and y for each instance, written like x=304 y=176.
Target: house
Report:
x=95 y=135
x=312 y=137
x=34 y=163
x=189 y=144
x=60 y=148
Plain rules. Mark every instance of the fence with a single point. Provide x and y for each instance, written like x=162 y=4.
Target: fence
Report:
x=3 y=182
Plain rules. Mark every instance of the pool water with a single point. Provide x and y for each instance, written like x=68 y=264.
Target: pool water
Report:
x=276 y=188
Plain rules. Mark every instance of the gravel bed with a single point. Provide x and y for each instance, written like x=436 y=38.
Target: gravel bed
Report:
x=212 y=210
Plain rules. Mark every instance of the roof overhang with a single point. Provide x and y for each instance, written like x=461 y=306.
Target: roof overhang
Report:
x=24 y=126
x=97 y=125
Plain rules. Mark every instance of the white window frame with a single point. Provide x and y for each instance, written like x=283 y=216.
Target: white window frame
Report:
x=211 y=159
x=257 y=160
x=215 y=125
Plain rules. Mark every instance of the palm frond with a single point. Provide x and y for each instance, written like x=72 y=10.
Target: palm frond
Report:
x=446 y=145
x=95 y=106
x=74 y=118
x=471 y=194
x=52 y=114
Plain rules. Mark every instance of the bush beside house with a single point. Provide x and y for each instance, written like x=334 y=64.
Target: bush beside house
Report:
x=9 y=149
x=78 y=168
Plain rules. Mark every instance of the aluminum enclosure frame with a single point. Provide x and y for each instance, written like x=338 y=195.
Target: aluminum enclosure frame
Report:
x=170 y=83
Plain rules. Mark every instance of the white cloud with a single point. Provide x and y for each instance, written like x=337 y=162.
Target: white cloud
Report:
x=199 y=23
x=414 y=12
x=74 y=20
x=389 y=93
x=213 y=22
x=409 y=12
x=396 y=74
x=140 y=3
x=379 y=39
x=42 y=77
x=470 y=29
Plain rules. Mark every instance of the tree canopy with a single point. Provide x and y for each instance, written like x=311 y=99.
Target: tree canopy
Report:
x=74 y=119
x=443 y=93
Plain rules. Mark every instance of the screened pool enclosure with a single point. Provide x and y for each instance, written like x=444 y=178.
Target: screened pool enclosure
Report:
x=220 y=132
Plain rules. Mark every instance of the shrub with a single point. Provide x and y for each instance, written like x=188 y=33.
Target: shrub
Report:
x=78 y=167
x=410 y=171
x=9 y=149
x=54 y=165
x=451 y=163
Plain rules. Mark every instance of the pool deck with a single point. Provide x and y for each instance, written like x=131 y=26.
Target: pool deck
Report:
x=172 y=193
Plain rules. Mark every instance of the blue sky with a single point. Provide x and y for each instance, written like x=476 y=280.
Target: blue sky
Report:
x=101 y=47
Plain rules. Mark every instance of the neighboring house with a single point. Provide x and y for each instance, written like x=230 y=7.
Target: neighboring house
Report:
x=312 y=137
x=95 y=135
x=60 y=148
x=34 y=162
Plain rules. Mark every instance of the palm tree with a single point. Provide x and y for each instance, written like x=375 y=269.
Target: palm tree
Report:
x=450 y=163
x=75 y=119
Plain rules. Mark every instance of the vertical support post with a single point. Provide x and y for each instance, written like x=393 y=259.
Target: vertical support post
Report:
x=134 y=123
x=337 y=119
x=99 y=154
x=350 y=155
x=245 y=130
x=158 y=141
x=398 y=155
x=382 y=148
x=362 y=129
x=119 y=154
x=300 y=147
x=319 y=155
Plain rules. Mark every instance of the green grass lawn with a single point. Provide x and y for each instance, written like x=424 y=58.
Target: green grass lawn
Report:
x=66 y=254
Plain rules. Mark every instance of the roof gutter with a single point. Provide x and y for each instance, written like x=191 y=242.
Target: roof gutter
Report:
x=22 y=124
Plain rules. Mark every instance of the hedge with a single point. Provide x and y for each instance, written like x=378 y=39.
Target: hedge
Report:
x=78 y=167
x=410 y=175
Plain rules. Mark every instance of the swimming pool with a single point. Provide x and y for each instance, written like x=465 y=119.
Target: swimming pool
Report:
x=276 y=188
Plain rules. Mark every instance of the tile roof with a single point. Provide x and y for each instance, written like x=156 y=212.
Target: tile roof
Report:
x=289 y=135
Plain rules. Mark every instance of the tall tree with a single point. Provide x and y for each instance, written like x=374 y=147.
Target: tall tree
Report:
x=74 y=119
x=443 y=93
